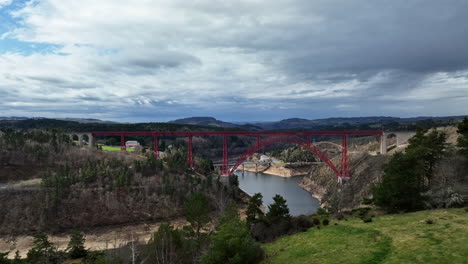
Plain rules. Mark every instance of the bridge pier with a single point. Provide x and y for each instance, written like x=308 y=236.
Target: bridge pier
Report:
x=189 y=153
x=225 y=169
x=156 y=147
x=91 y=142
x=80 y=137
x=344 y=158
x=383 y=144
x=401 y=138
x=122 y=143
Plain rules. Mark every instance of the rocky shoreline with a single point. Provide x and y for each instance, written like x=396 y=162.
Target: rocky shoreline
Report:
x=276 y=170
x=317 y=191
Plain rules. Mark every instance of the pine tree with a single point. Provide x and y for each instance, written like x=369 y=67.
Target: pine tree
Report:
x=76 y=247
x=463 y=136
x=4 y=258
x=428 y=148
x=43 y=251
x=278 y=210
x=196 y=212
x=253 y=211
x=402 y=184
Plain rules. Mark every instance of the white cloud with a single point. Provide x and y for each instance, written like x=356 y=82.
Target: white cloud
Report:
x=213 y=56
x=5 y=2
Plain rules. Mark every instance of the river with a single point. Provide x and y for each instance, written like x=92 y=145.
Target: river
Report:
x=299 y=201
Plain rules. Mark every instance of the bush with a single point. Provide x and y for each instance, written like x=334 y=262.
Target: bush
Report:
x=367 y=201
x=325 y=222
x=265 y=232
x=361 y=212
x=166 y=245
x=340 y=216
x=4 y=258
x=321 y=211
x=429 y=221
x=466 y=210
x=443 y=198
x=367 y=219
x=233 y=244
x=234 y=180
x=96 y=257
x=316 y=221
x=301 y=223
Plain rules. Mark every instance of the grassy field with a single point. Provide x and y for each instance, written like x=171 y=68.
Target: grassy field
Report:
x=110 y=148
x=404 y=238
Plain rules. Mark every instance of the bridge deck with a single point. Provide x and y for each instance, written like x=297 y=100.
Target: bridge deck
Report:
x=236 y=133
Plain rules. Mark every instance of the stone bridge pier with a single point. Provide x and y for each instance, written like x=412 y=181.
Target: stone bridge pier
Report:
x=402 y=137
x=81 y=137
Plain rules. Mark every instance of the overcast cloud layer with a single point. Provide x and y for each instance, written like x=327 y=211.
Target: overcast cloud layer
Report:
x=147 y=60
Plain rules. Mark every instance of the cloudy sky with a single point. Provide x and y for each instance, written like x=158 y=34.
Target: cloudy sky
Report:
x=149 y=60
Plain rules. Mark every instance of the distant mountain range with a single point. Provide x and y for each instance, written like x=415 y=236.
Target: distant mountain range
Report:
x=211 y=121
x=373 y=122
x=315 y=124
x=204 y=121
x=13 y=118
x=79 y=120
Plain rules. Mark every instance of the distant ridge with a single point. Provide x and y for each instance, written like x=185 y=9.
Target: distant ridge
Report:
x=211 y=121
x=204 y=121
x=299 y=123
x=363 y=123
x=79 y=120
x=13 y=118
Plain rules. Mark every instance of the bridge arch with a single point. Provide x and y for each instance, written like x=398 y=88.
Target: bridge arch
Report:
x=261 y=143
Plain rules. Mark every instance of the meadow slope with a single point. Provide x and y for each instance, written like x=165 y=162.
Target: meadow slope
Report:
x=402 y=238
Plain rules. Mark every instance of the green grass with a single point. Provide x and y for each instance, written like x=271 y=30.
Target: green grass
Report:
x=404 y=238
x=110 y=148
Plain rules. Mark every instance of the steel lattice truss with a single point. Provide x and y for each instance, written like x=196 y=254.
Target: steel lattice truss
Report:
x=264 y=138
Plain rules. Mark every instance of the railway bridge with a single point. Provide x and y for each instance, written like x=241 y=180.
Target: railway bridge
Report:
x=264 y=138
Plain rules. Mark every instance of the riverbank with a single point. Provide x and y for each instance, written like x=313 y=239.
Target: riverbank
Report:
x=277 y=170
x=100 y=238
x=317 y=191
x=111 y=236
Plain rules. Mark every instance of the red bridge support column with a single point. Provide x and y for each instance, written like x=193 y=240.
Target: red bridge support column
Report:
x=156 y=147
x=190 y=153
x=344 y=158
x=122 y=142
x=308 y=141
x=225 y=168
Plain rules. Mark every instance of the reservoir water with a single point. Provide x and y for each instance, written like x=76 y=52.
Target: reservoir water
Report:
x=299 y=201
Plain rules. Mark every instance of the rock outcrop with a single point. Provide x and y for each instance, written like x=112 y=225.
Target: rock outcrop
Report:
x=323 y=183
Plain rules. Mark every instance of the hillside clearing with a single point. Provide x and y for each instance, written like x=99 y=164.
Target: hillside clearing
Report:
x=110 y=148
x=404 y=238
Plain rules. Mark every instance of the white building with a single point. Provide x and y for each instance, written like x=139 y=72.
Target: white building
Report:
x=132 y=144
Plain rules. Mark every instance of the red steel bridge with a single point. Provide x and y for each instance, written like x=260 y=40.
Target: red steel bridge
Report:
x=264 y=138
